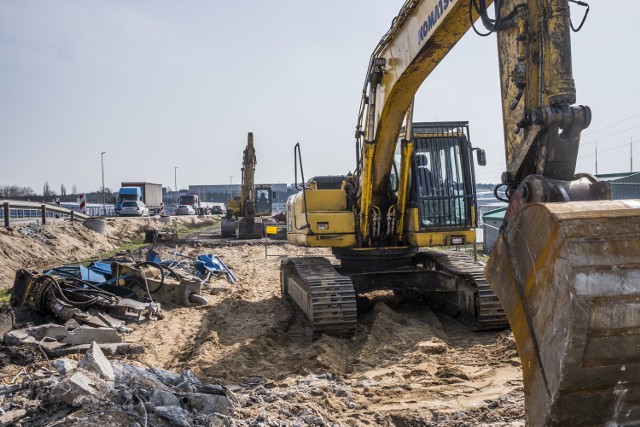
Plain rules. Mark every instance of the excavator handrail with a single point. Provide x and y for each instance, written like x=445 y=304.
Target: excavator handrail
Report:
x=297 y=156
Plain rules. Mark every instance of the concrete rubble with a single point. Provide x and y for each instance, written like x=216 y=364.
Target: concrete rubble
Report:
x=103 y=392
x=58 y=340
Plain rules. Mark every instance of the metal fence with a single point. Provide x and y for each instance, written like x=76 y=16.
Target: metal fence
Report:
x=16 y=210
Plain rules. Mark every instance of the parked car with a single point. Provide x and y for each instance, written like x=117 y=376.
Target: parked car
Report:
x=185 y=210
x=217 y=210
x=134 y=208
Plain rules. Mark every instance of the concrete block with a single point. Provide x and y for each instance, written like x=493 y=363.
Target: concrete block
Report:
x=95 y=361
x=175 y=415
x=9 y=418
x=64 y=366
x=210 y=404
x=76 y=389
x=164 y=398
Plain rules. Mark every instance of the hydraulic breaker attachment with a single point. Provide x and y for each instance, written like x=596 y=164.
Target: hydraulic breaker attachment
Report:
x=568 y=277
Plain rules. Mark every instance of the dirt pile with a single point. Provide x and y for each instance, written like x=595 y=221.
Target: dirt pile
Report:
x=406 y=366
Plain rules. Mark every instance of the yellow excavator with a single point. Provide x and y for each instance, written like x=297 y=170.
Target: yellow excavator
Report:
x=566 y=267
x=245 y=212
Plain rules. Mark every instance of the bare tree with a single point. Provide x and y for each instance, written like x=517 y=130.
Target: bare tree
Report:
x=74 y=189
x=46 y=190
x=63 y=190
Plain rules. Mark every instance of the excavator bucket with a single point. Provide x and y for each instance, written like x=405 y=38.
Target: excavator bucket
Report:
x=568 y=277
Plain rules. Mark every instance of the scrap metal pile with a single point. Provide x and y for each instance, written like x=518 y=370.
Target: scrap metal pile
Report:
x=95 y=299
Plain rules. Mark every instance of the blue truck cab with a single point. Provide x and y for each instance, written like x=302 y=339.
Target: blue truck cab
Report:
x=127 y=193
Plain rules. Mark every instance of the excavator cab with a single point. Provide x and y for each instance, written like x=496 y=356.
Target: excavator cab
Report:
x=441 y=205
x=263 y=200
x=444 y=187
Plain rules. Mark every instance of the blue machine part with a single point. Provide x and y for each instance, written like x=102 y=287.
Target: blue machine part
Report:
x=79 y=272
x=211 y=263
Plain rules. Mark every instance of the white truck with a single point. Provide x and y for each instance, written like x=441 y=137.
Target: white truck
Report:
x=149 y=193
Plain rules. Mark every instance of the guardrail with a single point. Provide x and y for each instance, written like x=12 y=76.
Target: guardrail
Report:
x=45 y=211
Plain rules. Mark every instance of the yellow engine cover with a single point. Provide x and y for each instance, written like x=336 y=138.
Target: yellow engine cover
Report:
x=321 y=220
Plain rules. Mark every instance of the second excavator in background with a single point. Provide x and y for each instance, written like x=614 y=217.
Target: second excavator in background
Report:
x=245 y=212
x=566 y=267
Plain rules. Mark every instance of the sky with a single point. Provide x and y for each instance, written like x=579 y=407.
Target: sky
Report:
x=159 y=84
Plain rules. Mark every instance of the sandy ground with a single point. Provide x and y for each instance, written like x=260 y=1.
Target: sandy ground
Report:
x=407 y=366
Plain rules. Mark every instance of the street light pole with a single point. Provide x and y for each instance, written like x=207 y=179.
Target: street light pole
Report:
x=104 y=209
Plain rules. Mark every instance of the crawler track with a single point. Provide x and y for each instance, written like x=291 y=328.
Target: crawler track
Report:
x=489 y=314
x=328 y=301
x=326 y=297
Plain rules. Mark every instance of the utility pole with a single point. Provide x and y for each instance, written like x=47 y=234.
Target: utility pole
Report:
x=103 y=194
x=631 y=150
x=596 y=157
x=175 y=177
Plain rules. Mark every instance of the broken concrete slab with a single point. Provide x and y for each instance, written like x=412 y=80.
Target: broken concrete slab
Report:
x=51 y=332
x=94 y=361
x=134 y=376
x=77 y=389
x=9 y=418
x=188 y=381
x=165 y=376
x=64 y=366
x=164 y=398
x=174 y=414
x=109 y=349
x=210 y=404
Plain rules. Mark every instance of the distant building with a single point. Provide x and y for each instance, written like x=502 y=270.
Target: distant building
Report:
x=491 y=223
x=623 y=185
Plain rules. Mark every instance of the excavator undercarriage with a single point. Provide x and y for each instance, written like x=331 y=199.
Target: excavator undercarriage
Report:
x=450 y=280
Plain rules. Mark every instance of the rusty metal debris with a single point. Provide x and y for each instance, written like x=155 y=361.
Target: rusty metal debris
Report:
x=93 y=300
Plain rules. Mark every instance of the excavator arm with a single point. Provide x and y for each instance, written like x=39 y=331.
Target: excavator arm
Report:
x=244 y=211
x=566 y=267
